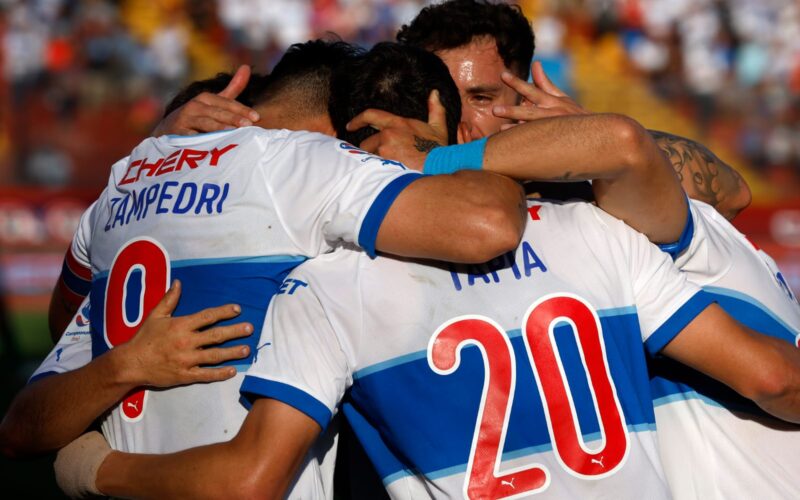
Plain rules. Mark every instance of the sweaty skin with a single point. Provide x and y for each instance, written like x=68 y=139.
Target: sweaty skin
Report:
x=476 y=69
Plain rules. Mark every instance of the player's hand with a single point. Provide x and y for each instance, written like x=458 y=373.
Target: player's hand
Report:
x=169 y=351
x=541 y=99
x=209 y=112
x=404 y=139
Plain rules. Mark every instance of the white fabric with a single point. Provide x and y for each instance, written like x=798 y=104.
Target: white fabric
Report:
x=230 y=213
x=710 y=451
x=348 y=322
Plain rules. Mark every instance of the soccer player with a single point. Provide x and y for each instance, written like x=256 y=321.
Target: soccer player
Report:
x=534 y=358
x=714 y=443
x=493 y=44
x=230 y=214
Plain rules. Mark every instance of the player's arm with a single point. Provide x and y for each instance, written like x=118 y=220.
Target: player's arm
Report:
x=633 y=180
x=467 y=216
x=761 y=368
x=55 y=409
x=207 y=112
x=703 y=175
x=63 y=305
x=259 y=462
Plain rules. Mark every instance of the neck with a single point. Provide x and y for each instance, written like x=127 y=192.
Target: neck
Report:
x=277 y=117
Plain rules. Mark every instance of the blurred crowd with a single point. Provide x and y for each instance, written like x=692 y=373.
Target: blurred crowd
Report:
x=72 y=70
x=737 y=62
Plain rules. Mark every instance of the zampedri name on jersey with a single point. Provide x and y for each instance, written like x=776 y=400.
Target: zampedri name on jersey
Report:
x=170 y=197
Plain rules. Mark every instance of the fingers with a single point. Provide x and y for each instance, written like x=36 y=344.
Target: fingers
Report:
x=375 y=118
x=541 y=80
x=527 y=113
x=507 y=126
x=222 y=334
x=237 y=83
x=523 y=88
x=371 y=144
x=437 y=116
x=198 y=374
x=224 y=110
x=217 y=355
x=166 y=306
x=211 y=315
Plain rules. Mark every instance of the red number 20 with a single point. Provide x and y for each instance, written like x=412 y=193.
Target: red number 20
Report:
x=150 y=258
x=483 y=479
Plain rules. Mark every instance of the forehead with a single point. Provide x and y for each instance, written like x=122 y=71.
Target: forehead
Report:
x=476 y=64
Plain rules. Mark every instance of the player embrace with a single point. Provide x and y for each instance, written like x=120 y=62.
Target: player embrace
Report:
x=535 y=367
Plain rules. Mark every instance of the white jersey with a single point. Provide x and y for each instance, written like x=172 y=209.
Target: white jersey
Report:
x=413 y=343
x=716 y=444
x=229 y=214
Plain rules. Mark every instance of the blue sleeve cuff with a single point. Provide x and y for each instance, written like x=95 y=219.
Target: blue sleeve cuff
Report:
x=675 y=249
x=377 y=212
x=40 y=376
x=449 y=159
x=677 y=322
x=254 y=388
x=74 y=282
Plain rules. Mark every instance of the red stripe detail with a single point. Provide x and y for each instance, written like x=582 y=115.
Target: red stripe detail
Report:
x=534 y=211
x=74 y=299
x=76 y=267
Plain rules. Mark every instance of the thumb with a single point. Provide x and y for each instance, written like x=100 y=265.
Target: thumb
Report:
x=237 y=83
x=541 y=80
x=166 y=306
x=437 y=115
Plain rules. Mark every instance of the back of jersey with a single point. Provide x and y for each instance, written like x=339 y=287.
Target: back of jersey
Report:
x=716 y=444
x=519 y=376
x=229 y=214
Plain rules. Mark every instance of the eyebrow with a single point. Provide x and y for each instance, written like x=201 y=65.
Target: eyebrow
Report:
x=481 y=89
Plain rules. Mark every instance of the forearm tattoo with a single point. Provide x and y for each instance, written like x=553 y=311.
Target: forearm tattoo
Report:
x=703 y=175
x=424 y=145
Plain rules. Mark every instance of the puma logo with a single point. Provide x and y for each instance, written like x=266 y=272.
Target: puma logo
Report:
x=131 y=404
x=598 y=462
x=508 y=483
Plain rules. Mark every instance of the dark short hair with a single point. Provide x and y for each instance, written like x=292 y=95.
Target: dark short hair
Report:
x=215 y=85
x=302 y=76
x=455 y=23
x=394 y=78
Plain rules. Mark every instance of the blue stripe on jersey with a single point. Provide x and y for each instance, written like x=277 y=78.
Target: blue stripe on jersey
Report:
x=255 y=387
x=675 y=323
x=249 y=284
x=614 y=311
x=672 y=381
x=73 y=281
x=752 y=313
x=675 y=249
x=377 y=211
x=266 y=259
x=430 y=419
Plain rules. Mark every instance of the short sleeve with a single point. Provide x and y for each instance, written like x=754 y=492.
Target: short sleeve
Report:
x=75 y=280
x=299 y=359
x=665 y=300
x=327 y=191
x=73 y=350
